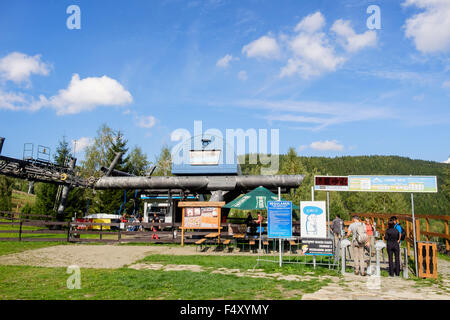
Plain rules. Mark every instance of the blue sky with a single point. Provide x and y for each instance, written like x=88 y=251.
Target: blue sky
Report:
x=312 y=69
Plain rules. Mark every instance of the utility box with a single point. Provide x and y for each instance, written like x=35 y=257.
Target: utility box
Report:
x=427 y=259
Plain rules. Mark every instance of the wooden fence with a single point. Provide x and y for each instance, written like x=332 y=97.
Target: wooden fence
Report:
x=170 y=233
x=382 y=219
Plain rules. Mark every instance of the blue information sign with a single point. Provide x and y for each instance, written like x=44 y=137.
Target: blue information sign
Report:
x=279 y=219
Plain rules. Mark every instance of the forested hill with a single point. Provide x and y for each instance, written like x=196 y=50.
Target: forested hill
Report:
x=374 y=165
x=350 y=202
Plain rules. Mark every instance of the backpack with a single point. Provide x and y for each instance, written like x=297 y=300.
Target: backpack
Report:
x=402 y=233
x=361 y=234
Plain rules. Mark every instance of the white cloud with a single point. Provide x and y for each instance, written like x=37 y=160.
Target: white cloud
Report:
x=446 y=85
x=242 y=75
x=350 y=40
x=430 y=29
x=312 y=53
x=146 y=121
x=326 y=145
x=308 y=50
x=86 y=95
x=81 y=143
x=18 y=67
x=447 y=161
x=12 y=101
x=264 y=47
x=320 y=114
x=311 y=23
x=224 y=62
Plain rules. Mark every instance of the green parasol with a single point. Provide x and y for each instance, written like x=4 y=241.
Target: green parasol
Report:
x=255 y=200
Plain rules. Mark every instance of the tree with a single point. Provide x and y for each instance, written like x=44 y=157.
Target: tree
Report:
x=446 y=185
x=96 y=154
x=110 y=201
x=46 y=193
x=137 y=162
x=164 y=163
x=6 y=185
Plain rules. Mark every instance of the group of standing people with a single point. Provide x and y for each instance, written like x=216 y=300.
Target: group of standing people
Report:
x=363 y=239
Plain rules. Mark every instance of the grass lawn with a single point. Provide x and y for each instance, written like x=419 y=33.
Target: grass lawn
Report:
x=26 y=282
x=63 y=236
x=242 y=263
x=22 y=282
x=7 y=247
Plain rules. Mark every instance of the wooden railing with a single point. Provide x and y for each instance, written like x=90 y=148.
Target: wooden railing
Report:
x=382 y=219
x=71 y=229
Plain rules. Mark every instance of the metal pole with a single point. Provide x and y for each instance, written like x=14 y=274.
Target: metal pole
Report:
x=280 y=250
x=342 y=260
x=414 y=233
x=260 y=234
x=328 y=215
x=312 y=193
x=279 y=240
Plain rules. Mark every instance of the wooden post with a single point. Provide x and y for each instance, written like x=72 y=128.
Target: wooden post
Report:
x=407 y=237
x=101 y=231
x=447 y=243
x=68 y=231
x=418 y=229
x=219 y=223
x=427 y=224
x=119 y=236
x=20 y=231
x=182 y=228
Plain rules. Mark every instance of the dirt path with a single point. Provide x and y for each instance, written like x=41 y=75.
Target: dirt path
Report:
x=96 y=256
x=353 y=287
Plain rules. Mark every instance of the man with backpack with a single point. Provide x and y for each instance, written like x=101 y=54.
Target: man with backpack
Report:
x=399 y=228
x=358 y=230
x=337 y=225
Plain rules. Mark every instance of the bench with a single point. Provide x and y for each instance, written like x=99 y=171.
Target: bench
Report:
x=200 y=243
x=292 y=243
x=251 y=243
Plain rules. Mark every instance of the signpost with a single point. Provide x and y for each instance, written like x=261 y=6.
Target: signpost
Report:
x=417 y=184
x=313 y=219
x=279 y=221
x=317 y=247
x=200 y=215
x=410 y=184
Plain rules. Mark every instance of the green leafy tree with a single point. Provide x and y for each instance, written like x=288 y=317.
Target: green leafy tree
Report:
x=96 y=155
x=110 y=201
x=446 y=184
x=6 y=185
x=163 y=163
x=46 y=193
x=137 y=163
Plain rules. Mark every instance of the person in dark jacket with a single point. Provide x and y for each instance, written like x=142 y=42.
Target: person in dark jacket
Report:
x=392 y=238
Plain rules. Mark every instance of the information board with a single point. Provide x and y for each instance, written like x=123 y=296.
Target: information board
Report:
x=410 y=184
x=201 y=218
x=393 y=183
x=316 y=247
x=331 y=183
x=279 y=219
x=313 y=219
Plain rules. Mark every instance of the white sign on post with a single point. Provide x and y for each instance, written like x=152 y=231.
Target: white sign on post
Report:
x=313 y=219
